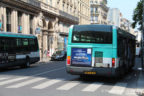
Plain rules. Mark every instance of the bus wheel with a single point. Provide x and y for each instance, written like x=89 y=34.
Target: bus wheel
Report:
x=27 y=65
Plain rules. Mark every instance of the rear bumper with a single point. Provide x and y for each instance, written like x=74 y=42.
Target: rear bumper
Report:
x=108 y=72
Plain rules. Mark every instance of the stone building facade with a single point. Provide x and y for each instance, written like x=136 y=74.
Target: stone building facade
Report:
x=114 y=17
x=98 y=10
x=125 y=24
x=49 y=20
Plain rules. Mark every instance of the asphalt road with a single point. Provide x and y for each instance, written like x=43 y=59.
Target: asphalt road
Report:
x=50 y=79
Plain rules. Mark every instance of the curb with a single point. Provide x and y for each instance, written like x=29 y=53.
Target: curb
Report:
x=140 y=84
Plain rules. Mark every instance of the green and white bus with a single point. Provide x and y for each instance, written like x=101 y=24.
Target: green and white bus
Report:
x=102 y=50
x=18 y=50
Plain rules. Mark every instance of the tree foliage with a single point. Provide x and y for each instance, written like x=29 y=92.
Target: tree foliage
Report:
x=138 y=15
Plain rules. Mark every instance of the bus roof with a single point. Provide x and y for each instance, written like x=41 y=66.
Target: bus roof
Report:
x=18 y=35
x=126 y=34
x=101 y=28
x=95 y=27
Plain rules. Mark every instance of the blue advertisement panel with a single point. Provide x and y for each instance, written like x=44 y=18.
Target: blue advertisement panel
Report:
x=81 y=56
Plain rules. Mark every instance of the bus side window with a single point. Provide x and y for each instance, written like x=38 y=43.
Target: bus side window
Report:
x=121 y=46
x=11 y=44
x=31 y=45
x=1 y=45
x=36 y=44
x=25 y=44
x=18 y=44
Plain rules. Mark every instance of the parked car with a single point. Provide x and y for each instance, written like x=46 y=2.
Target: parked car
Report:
x=59 y=55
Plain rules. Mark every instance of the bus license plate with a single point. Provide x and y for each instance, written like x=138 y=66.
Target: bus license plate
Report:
x=90 y=73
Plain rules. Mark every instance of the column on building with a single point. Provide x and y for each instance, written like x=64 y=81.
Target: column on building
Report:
x=34 y=24
x=40 y=41
x=3 y=17
x=55 y=41
x=50 y=38
x=25 y=23
x=45 y=43
x=14 y=21
x=28 y=24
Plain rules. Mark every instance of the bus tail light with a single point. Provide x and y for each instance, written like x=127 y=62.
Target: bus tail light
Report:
x=113 y=62
x=68 y=60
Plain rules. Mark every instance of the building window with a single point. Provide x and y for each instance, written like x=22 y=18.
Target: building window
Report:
x=51 y=2
x=19 y=22
x=31 y=24
x=91 y=18
x=63 y=6
x=8 y=17
x=95 y=10
x=46 y=1
x=96 y=19
x=92 y=9
x=91 y=1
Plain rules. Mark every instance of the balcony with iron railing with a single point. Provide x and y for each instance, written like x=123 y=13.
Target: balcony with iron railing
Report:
x=68 y=16
x=49 y=8
x=95 y=13
x=23 y=3
x=35 y=3
x=43 y=7
x=103 y=4
x=58 y=12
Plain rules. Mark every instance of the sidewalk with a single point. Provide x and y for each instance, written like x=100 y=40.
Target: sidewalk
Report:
x=140 y=82
x=46 y=59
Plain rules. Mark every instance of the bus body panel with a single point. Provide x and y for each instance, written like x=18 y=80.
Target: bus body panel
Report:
x=17 y=56
x=100 y=71
x=102 y=64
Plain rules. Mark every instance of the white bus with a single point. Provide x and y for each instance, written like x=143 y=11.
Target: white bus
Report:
x=18 y=50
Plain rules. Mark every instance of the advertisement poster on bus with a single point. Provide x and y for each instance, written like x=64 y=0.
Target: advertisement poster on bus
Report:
x=81 y=56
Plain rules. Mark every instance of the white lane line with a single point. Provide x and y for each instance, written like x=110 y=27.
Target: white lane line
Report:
x=47 y=84
x=92 y=87
x=25 y=83
x=12 y=80
x=49 y=71
x=3 y=78
x=118 y=89
x=130 y=92
x=68 y=86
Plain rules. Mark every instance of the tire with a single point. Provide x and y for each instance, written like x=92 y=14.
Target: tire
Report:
x=63 y=59
x=27 y=64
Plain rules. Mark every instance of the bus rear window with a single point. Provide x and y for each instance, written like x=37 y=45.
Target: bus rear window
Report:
x=92 y=37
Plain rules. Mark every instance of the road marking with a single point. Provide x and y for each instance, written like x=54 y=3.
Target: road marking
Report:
x=25 y=83
x=49 y=71
x=130 y=92
x=46 y=84
x=68 y=86
x=3 y=78
x=12 y=80
x=118 y=89
x=92 y=87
